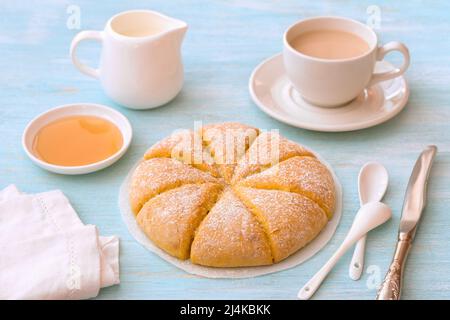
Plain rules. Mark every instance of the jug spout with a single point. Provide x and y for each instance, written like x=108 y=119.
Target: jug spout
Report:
x=164 y=25
x=177 y=29
x=178 y=25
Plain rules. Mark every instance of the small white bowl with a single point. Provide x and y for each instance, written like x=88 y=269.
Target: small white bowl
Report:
x=76 y=109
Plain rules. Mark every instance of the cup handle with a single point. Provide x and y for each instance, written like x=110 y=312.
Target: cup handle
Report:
x=85 y=35
x=381 y=53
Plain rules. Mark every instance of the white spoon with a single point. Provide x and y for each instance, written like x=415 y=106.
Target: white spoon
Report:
x=372 y=184
x=370 y=216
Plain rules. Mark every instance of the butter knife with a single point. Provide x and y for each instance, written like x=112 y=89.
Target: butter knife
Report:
x=414 y=203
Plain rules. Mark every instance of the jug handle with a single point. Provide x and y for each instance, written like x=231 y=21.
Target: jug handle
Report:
x=85 y=35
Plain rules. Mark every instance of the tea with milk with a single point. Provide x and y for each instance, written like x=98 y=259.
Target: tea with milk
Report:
x=330 y=44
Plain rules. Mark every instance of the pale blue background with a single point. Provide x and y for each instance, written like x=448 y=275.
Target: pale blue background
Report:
x=225 y=41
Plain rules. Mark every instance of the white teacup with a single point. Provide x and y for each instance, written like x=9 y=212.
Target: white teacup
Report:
x=335 y=82
x=140 y=65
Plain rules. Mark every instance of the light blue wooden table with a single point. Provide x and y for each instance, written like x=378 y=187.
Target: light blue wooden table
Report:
x=226 y=40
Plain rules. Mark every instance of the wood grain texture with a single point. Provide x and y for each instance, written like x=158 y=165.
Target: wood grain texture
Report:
x=225 y=41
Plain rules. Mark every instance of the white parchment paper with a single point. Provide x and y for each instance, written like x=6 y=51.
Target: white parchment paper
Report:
x=242 y=272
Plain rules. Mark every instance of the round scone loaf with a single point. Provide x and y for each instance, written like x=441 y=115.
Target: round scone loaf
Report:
x=229 y=195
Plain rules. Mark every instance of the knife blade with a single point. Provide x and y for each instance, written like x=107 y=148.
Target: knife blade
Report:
x=413 y=205
x=416 y=193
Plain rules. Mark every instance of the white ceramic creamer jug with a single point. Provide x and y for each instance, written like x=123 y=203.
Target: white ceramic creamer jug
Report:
x=140 y=65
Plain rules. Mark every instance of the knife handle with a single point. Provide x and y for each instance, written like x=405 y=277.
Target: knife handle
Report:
x=392 y=285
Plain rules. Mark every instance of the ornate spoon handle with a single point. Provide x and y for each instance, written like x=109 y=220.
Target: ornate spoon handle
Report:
x=392 y=285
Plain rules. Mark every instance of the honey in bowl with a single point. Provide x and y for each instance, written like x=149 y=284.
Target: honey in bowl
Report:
x=77 y=141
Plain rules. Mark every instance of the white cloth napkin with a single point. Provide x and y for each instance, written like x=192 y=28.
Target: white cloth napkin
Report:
x=46 y=252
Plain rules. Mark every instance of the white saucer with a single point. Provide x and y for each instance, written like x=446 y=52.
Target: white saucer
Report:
x=73 y=109
x=272 y=91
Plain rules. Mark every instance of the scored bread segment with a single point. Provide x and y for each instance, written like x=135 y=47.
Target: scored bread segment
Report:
x=157 y=175
x=230 y=236
x=289 y=219
x=187 y=147
x=228 y=143
x=303 y=175
x=268 y=149
x=171 y=218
